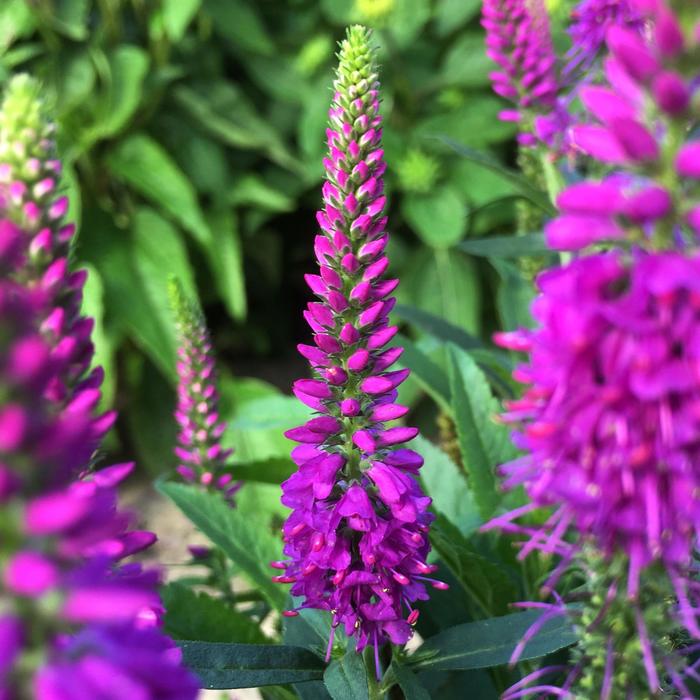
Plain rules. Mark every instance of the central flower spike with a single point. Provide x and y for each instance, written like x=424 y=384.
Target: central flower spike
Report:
x=357 y=539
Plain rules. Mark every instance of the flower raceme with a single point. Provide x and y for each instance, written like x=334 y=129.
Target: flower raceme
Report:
x=643 y=131
x=203 y=459
x=357 y=539
x=62 y=538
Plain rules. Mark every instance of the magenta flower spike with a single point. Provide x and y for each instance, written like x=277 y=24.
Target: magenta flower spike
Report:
x=203 y=459
x=357 y=539
x=608 y=424
x=518 y=40
x=590 y=22
x=63 y=540
x=34 y=208
x=641 y=130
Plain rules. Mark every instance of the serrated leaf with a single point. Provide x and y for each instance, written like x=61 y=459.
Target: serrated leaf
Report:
x=483 y=443
x=198 y=616
x=240 y=536
x=491 y=642
x=149 y=169
x=346 y=678
x=223 y=666
x=447 y=486
x=488 y=587
x=506 y=246
x=519 y=182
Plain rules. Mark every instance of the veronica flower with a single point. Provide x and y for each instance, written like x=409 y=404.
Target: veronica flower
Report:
x=518 y=40
x=590 y=22
x=642 y=131
x=64 y=539
x=203 y=458
x=609 y=423
x=357 y=539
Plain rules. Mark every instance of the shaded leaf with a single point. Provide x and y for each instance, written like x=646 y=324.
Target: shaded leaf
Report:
x=346 y=678
x=447 y=485
x=488 y=587
x=149 y=169
x=409 y=684
x=437 y=327
x=240 y=536
x=483 y=443
x=506 y=246
x=518 y=181
x=273 y=470
x=240 y=24
x=223 y=666
x=429 y=375
x=488 y=643
x=439 y=218
x=190 y=615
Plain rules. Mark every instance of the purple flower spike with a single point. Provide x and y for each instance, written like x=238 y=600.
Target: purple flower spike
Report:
x=356 y=542
x=202 y=458
x=64 y=539
x=518 y=40
x=641 y=122
x=591 y=20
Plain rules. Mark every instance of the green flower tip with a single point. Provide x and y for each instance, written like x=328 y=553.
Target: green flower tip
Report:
x=356 y=56
x=186 y=310
x=26 y=130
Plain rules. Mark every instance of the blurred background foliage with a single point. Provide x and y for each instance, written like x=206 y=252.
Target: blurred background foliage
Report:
x=193 y=132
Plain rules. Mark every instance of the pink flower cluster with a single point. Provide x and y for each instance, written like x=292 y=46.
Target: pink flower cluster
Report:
x=70 y=602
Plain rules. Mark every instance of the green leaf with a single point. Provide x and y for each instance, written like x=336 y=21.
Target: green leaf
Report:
x=488 y=643
x=474 y=123
x=176 y=15
x=149 y=169
x=519 y=182
x=227 y=114
x=409 y=684
x=444 y=283
x=75 y=81
x=488 y=587
x=451 y=14
x=190 y=615
x=466 y=63
x=428 y=374
x=93 y=307
x=16 y=21
x=159 y=253
x=70 y=18
x=223 y=666
x=437 y=327
x=483 y=443
x=506 y=246
x=407 y=19
x=237 y=532
x=128 y=68
x=273 y=470
x=149 y=418
x=514 y=297
x=346 y=678
x=447 y=486
x=439 y=218
x=240 y=25
x=253 y=190
x=226 y=261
